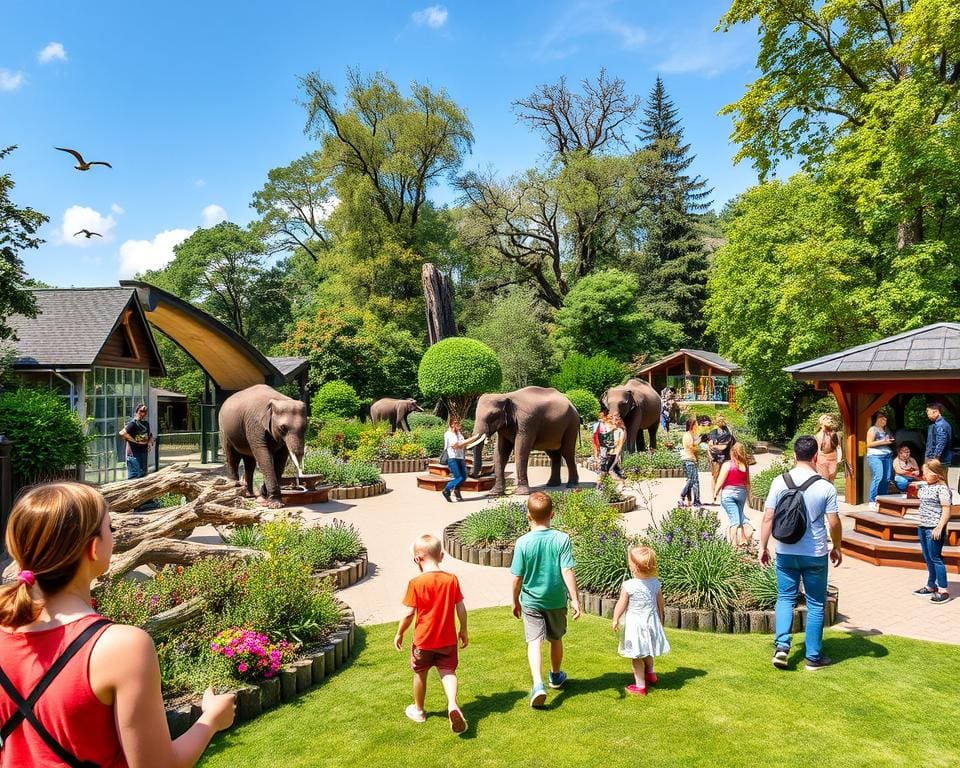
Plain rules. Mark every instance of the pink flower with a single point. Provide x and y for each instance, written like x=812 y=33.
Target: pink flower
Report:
x=242 y=667
x=228 y=652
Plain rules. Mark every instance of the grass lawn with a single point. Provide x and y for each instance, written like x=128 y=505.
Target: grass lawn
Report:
x=888 y=701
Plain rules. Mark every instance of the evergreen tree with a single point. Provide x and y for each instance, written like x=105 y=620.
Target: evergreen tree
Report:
x=673 y=253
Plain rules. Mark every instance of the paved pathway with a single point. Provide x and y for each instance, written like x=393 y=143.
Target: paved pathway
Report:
x=872 y=599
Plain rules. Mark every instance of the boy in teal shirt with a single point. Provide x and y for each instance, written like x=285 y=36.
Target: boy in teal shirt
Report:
x=543 y=578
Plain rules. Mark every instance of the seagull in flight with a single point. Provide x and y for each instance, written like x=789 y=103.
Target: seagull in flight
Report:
x=87 y=233
x=82 y=165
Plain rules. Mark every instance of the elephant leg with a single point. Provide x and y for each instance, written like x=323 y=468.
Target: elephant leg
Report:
x=500 y=458
x=476 y=453
x=641 y=443
x=521 y=457
x=404 y=424
x=555 y=461
x=568 y=450
x=269 y=464
x=249 y=466
x=653 y=437
x=232 y=459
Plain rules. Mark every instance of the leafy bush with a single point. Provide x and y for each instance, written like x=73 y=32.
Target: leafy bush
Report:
x=586 y=404
x=431 y=438
x=661 y=458
x=601 y=557
x=319 y=547
x=401 y=445
x=48 y=437
x=760 y=585
x=497 y=525
x=761 y=482
x=170 y=500
x=709 y=576
x=340 y=472
x=422 y=419
x=458 y=370
x=336 y=398
x=371 y=446
x=339 y=436
x=595 y=374
x=578 y=511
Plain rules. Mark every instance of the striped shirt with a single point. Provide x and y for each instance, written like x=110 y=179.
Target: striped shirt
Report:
x=933 y=498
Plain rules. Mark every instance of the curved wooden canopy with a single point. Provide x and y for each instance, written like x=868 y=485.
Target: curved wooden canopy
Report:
x=229 y=359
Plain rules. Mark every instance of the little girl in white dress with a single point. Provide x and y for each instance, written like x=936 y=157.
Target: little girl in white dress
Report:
x=642 y=602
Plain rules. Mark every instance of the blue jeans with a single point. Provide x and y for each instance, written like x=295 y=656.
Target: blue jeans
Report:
x=733 y=500
x=691 y=489
x=134 y=468
x=932 y=551
x=812 y=572
x=901 y=482
x=458 y=472
x=881 y=470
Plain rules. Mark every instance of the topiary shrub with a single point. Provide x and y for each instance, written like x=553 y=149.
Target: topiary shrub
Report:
x=48 y=437
x=458 y=370
x=336 y=398
x=595 y=374
x=586 y=404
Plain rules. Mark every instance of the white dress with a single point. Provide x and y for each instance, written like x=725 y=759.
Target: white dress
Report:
x=642 y=631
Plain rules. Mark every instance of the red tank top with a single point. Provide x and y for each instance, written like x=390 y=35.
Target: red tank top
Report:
x=736 y=476
x=69 y=708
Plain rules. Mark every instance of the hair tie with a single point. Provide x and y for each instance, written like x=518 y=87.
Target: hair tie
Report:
x=27 y=577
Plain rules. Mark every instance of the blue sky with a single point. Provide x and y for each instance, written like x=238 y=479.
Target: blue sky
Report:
x=193 y=103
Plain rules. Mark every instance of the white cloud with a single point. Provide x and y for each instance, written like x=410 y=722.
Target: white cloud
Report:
x=583 y=20
x=213 y=215
x=199 y=183
x=706 y=53
x=52 y=52
x=78 y=217
x=117 y=209
x=11 y=81
x=433 y=16
x=141 y=255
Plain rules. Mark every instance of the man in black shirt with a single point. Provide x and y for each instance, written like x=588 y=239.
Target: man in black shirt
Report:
x=139 y=439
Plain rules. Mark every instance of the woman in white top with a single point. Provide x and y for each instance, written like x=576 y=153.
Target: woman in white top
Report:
x=879 y=458
x=453 y=441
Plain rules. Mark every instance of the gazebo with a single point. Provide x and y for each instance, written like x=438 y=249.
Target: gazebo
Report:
x=696 y=375
x=888 y=372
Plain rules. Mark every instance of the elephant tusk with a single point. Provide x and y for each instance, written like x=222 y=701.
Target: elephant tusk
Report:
x=297 y=465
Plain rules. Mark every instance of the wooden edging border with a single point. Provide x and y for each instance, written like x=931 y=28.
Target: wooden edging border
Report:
x=346 y=575
x=755 y=502
x=709 y=620
x=397 y=466
x=498 y=558
x=676 y=472
x=293 y=680
x=358 y=491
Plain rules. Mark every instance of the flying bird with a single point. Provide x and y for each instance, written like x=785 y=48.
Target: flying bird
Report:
x=87 y=233
x=83 y=165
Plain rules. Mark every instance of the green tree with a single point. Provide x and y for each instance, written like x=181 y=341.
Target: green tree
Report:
x=336 y=398
x=459 y=370
x=18 y=233
x=594 y=374
x=601 y=313
x=49 y=436
x=516 y=330
x=673 y=252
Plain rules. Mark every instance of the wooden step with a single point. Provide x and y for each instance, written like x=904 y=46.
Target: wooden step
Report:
x=892 y=528
x=433 y=482
x=442 y=470
x=905 y=554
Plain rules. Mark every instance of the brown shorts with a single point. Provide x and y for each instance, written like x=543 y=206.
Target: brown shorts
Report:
x=444 y=659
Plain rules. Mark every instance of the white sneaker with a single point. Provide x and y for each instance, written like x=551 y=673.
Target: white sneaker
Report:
x=415 y=714
x=872 y=506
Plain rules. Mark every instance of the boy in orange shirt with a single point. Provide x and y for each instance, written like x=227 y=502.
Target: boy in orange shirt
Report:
x=433 y=597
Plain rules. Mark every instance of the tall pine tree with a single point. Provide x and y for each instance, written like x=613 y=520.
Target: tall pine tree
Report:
x=673 y=252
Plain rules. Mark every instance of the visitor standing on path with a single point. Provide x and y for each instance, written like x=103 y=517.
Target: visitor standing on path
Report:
x=543 y=580
x=935 y=500
x=806 y=559
x=641 y=608
x=733 y=486
x=939 y=437
x=879 y=459
x=103 y=706
x=829 y=452
x=453 y=442
x=690 y=493
x=612 y=436
x=433 y=599
x=720 y=440
x=139 y=439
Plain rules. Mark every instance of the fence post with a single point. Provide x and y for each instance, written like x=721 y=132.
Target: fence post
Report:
x=6 y=486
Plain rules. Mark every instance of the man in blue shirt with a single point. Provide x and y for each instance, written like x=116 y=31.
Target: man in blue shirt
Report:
x=939 y=436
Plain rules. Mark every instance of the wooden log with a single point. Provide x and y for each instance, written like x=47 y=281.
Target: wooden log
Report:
x=126 y=495
x=177 y=616
x=304 y=670
x=173 y=551
x=269 y=693
x=319 y=667
x=706 y=620
x=741 y=623
x=288 y=683
x=248 y=703
x=688 y=619
x=671 y=617
x=758 y=621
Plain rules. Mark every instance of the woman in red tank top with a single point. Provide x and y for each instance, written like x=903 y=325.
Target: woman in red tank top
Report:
x=733 y=485
x=104 y=706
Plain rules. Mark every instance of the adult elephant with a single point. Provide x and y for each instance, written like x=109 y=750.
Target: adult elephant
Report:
x=261 y=426
x=528 y=419
x=638 y=404
x=395 y=411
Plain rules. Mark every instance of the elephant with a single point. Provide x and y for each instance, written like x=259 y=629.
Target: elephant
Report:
x=261 y=426
x=638 y=404
x=395 y=411
x=532 y=418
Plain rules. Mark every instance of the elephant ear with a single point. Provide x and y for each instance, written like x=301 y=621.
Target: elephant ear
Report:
x=509 y=412
x=266 y=417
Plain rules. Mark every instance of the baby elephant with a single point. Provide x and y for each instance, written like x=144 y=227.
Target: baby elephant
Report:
x=395 y=411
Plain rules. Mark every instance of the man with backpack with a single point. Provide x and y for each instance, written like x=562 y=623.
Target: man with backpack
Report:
x=801 y=514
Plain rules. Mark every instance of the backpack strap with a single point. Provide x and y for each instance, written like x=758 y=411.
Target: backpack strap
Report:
x=789 y=481
x=810 y=481
x=25 y=706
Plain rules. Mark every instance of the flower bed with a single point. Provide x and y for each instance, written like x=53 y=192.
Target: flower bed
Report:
x=351 y=478
x=761 y=482
x=498 y=556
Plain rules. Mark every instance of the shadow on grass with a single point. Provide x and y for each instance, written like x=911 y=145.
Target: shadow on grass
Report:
x=488 y=704
x=848 y=647
x=615 y=681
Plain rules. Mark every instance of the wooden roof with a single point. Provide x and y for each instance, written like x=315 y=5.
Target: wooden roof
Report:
x=931 y=352
x=707 y=358
x=74 y=325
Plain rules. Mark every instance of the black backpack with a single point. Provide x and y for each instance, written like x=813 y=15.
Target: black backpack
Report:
x=790 y=514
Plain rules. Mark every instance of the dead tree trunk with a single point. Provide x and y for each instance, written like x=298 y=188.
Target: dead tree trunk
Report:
x=127 y=495
x=172 y=551
x=438 y=296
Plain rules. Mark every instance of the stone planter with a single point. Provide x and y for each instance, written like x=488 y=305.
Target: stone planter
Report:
x=723 y=621
x=358 y=491
x=396 y=466
x=347 y=574
x=295 y=678
x=494 y=556
x=538 y=459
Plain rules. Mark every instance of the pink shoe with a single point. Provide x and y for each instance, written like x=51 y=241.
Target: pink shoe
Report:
x=650 y=678
x=636 y=690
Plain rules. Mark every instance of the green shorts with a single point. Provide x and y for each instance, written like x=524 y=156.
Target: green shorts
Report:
x=544 y=623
